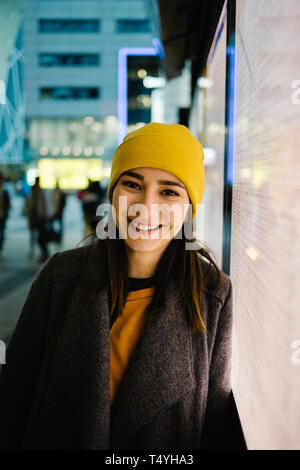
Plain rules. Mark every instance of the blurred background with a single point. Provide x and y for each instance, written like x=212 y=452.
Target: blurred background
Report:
x=76 y=76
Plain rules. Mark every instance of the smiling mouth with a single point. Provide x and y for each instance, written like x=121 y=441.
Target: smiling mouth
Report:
x=144 y=228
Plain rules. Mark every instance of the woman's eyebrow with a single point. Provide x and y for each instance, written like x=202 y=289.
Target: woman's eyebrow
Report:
x=133 y=174
x=164 y=182
x=171 y=183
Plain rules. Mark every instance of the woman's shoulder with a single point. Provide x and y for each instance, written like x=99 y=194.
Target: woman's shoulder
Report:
x=211 y=287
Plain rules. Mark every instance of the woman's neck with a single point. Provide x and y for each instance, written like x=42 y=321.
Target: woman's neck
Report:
x=142 y=264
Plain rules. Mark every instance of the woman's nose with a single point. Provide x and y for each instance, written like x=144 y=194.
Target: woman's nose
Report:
x=148 y=205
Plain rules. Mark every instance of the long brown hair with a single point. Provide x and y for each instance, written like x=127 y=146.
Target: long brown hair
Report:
x=184 y=265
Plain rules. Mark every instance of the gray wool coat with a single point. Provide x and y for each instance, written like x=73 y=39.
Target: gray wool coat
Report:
x=55 y=385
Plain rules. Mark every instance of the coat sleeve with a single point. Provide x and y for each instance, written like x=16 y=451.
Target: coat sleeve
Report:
x=24 y=353
x=215 y=431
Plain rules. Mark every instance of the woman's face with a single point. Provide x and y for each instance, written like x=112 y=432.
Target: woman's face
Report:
x=152 y=210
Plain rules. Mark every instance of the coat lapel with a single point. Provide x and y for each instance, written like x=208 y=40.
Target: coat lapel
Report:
x=159 y=372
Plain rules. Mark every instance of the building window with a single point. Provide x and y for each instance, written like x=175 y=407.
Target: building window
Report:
x=70 y=93
x=69 y=26
x=47 y=59
x=133 y=26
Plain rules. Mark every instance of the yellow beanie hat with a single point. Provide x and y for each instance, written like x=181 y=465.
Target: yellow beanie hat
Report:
x=169 y=147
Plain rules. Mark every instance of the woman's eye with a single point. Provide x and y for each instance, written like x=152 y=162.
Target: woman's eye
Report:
x=128 y=183
x=170 y=191
x=134 y=185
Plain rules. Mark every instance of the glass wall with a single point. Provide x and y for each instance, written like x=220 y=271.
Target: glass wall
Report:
x=208 y=125
x=265 y=245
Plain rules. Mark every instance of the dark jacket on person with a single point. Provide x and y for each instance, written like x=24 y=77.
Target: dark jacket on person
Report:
x=55 y=385
x=4 y=204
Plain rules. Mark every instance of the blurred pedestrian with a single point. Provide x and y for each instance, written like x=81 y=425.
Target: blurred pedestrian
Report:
x=28 y=211
x=91 y=197
x=40 y=217
x=4 y=211
x=59 y=203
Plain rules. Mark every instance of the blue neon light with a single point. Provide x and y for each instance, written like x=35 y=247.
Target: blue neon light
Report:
x=124 y=52
x=230 y=50
x=158 y=47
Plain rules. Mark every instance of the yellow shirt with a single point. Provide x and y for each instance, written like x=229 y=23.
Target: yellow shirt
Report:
x=125 y=333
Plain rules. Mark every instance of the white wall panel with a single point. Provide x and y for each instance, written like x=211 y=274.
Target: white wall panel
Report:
x=265 y=250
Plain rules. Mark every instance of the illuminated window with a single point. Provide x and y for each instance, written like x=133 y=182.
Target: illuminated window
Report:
x=70 y=93
x=133 y=26
x=68 y=60
x=69 y=26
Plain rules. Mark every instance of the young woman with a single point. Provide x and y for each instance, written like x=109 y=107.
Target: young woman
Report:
x=125 y=343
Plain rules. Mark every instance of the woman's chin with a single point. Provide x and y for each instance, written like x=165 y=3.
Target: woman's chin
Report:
x=145 y=245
